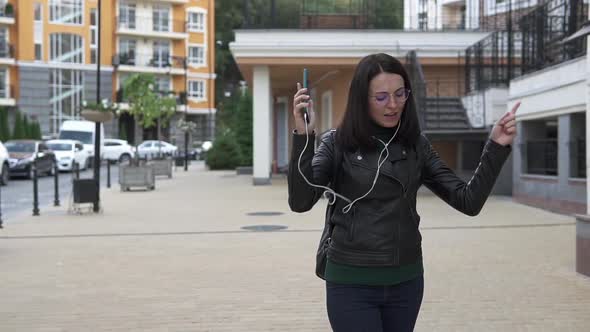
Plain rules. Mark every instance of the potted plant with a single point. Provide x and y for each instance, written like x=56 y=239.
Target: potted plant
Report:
x=98 y=112
x=9 y=10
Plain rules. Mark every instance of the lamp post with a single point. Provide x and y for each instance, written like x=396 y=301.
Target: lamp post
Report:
x=97 y=138
x=186 y=135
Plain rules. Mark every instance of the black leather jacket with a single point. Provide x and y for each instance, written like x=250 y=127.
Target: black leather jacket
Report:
x=382 y=228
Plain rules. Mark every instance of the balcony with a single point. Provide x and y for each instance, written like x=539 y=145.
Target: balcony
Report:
x=150 y=26
x=174 y=2
x=7 y=95
x=7 y=14
x=6 y=54
x=156 y=63
x=180 y=97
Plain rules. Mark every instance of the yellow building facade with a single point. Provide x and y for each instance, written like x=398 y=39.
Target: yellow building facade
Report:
x=49 y=51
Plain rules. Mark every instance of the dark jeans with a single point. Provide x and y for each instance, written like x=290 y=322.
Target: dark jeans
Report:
x=358 y=308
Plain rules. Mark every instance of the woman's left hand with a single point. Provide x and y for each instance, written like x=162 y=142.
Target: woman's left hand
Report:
x=504 y=130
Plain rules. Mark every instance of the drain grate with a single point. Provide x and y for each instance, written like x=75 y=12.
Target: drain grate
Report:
x=265 y=213
x=264 y=228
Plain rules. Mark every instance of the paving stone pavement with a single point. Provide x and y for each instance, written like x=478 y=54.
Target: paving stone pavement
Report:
x=176 y=259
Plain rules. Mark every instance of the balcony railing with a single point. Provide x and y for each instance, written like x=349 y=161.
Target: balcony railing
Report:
x=318 y=14
x=179 y=96
x=544 y=29
x=151 y=24
x=154 y=60
x=6 y=50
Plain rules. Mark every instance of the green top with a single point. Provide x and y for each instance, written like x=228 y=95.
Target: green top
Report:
x=372 y=276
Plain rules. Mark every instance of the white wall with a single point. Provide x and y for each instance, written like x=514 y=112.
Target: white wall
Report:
x=560 y=89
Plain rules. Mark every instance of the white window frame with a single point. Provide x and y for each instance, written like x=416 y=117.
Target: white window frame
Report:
x=55 y=51
x=197 y=64
x=128 y=8
x=160 y=79
x=93 y=32
x=160 y=9
x=6 y=94
x=38 y=27
x=193 y=26
x=191 y=91
x=58 y=4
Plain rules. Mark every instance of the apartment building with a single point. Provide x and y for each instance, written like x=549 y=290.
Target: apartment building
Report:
x=49 y=51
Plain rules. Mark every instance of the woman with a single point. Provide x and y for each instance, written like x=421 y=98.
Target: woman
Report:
x=375 y=162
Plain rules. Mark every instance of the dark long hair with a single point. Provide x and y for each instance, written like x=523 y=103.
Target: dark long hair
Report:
x=355 y=130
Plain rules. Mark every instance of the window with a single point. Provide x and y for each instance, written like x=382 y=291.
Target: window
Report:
x=196 y=55
x=127 y=51
x=540 y=147
x=93 y=35
x=127 y=16
x=66 y=11
x=578 y=145
x=66 y=47
x=3 y=85
x=161 y=54
x=38 y=12
x=196 y=21
x=66 y=92
x=38 y=52
x=161 y=18
x=38 y=31
x=196 y=89
x=163 y=84
x=4 y=46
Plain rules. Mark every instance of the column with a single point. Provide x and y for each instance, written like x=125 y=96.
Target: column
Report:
x=262 y=125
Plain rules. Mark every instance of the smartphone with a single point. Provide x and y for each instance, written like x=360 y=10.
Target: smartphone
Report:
x=305 y=85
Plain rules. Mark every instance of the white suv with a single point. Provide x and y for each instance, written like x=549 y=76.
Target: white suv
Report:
x=117 y=150
x=3 y=165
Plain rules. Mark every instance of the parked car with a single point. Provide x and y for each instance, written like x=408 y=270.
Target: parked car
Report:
x=117 y=150
x=68 y=153
x=151 y=149
x=22 y=153
x=83 y=131
x=3 y=165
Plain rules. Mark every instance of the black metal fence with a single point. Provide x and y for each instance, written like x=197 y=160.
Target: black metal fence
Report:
x=322 y=14
x=492 y=61
x=543 y=30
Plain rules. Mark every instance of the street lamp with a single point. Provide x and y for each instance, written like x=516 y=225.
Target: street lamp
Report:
x=97 y=138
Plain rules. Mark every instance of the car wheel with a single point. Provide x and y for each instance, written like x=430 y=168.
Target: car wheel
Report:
x=4 y=176
x=30 y=174
x=124 y=159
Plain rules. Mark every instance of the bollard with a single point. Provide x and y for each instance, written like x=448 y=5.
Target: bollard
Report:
x=56 y=184
x=108 y=173
x=35 y=189
x=186 y=137
x=76 y=171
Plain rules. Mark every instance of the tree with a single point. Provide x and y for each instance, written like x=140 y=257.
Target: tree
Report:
x=26 y=126
x=18 y=131
x=242 y=126
x=148 y=106
x=36 y=130
x=4 y=130
x=225 y=152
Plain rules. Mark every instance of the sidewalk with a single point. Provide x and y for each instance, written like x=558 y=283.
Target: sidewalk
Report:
x=176 y=259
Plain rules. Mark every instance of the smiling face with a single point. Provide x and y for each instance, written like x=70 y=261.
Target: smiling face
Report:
x=387 y=98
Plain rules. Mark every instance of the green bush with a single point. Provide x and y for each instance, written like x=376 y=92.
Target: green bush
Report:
x=19 y=131
x=36 y=130
x=243 y=129
x=27 y=127
x=225 y=153
x=4 y=130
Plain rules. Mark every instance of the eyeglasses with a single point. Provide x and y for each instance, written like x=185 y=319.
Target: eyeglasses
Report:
x=400 y=95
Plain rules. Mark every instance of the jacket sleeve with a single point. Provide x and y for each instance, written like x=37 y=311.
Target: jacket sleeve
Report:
x=317 y=169
x=469 y=197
